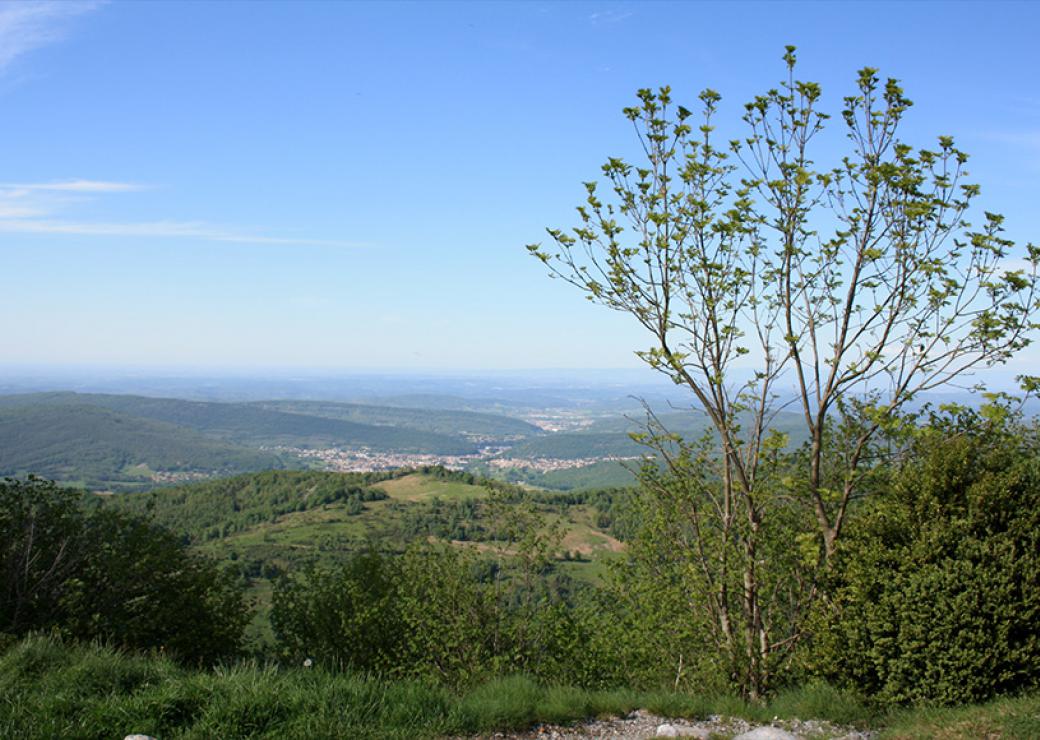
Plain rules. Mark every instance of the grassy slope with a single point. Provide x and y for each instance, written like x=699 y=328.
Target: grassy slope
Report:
x=419 y=487
x=1016 y=718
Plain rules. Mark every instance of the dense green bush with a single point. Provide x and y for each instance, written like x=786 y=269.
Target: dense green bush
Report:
x=339 y=618
x=424 y=613
x=447 y=615
x=93 y=573
x=936 y=596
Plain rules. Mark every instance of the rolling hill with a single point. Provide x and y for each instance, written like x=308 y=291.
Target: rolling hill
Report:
x=285 y=517
x=277 y=521
x=120 y=443
x=249 y=424
x=438 y=421
x=101 y=448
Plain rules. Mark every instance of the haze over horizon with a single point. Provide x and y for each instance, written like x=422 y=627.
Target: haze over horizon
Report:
x=222 y=187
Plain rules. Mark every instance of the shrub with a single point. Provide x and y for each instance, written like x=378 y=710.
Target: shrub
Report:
x=937 y=592
x=339 y=618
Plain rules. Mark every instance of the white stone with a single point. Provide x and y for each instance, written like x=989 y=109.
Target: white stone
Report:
x=667 y=731
x=767 y=733
x=138 y=737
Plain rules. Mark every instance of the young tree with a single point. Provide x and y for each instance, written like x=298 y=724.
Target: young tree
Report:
x=855 y=287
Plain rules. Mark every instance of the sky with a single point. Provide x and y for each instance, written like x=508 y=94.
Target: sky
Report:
x=350 y=186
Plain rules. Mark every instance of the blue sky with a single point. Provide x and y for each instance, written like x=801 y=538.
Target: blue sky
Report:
x=351 y=185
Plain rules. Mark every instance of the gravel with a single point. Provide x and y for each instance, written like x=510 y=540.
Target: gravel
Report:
x=641 y=724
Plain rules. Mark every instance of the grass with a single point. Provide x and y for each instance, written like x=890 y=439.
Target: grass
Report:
x=1011 y=718
x=417 y=487
x=51 y=689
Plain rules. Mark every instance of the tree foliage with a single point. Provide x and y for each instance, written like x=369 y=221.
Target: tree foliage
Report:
x=99 y=574
x=854 y=286
x=937 y=597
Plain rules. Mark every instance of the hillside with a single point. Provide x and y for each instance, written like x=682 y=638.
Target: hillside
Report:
x=278 y=521
x=249 y=424
x=215 y=509
x=283 y=513
x=438 y=421
x=602 y=474
x=577 y=445
x=106 y=449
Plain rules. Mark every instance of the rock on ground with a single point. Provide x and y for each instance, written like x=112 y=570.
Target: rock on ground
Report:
x=642 y=725
x=766 y=733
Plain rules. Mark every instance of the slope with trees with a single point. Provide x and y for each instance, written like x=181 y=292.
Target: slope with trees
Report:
x=246 y=423
x=101 y=448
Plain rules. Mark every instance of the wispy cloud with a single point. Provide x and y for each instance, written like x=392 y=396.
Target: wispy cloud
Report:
x=1025 y=142
x=36 y=208
x=158 y=229
x=74 y=186
x=25 y=26
x=613 y=15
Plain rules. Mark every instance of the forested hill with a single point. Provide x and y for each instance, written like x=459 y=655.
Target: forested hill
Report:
x=215 y=508
x=612 y=437
x=102 y=448
x=250 y=424
x=440 y=421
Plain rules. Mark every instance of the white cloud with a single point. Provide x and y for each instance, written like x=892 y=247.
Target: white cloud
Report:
x=25 y=26
x=1025 y=142
x=158 y=229
x=613 y=15
x=36 y=208
x=75 y=186
x=17 y=210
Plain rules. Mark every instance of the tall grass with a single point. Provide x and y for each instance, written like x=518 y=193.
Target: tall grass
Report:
x=51 y=689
